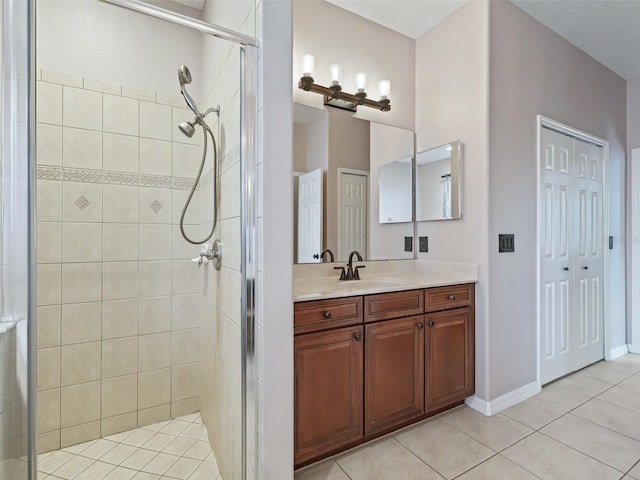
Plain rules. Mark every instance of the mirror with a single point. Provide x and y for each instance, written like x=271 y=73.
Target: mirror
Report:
x=340 y=165
x=438 y=195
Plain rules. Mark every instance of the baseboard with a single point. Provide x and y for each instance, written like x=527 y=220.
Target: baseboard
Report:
x=634 y=348
x=504 y=401
x=617 y=352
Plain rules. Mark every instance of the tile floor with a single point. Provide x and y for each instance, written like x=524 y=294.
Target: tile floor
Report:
x=585 y=426
x=175 y=449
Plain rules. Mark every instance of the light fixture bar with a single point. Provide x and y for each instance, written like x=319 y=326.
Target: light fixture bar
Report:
x=335 y=97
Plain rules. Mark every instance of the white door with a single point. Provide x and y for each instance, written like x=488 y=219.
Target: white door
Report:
x=571 y=290
x=352 y=213
x=310 y=217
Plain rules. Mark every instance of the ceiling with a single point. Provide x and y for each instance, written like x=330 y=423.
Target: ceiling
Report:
x=607 y=30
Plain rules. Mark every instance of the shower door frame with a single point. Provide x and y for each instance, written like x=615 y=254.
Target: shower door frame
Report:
x=248 y=159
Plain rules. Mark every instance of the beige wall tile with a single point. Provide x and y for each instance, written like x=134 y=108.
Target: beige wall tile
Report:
x=155 y=278
x=120 y=115
x=102 y=86
x=119 y=395
x=155 y=315
x=185 y=407
x=62 y=78
x=81 y=242
x=119 y=357
x=48 y=284
x=138 y=93
x=155 y=242
x=81 y=282
x=48 y=442
x=49 y=320
x=120 y=204
x=154 y=351
x=119 y=318
x=119 y=423
x=49 y=247
x=49 y=103
x=79 y=434
x=155 y=205
x=185 y=382
x=80 y=404
x=154 y=388
x=81 y=148
x=81 y=108
x=186 y=159
x=48 y=411
x=80 y=363
x=48 y=144
x=81 y=323
x=48 y=368
x=185 y=346
x=120 y=153
x=120 y=280
x=149 y=416
x=186 y=311
x=155 y=121
x=174 y=99
x=231 y=236
x=77 y=209
x=49 y=200
x=155 y=157
x=120 y=242
x=186 y=277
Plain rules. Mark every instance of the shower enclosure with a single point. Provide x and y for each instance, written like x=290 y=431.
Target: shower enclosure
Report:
x=145 y=353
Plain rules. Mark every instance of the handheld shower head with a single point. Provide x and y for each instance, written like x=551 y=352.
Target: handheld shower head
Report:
x=184 y=75
x=187 y=128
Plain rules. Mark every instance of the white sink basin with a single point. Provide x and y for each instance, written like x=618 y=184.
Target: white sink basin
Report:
x=323 y=286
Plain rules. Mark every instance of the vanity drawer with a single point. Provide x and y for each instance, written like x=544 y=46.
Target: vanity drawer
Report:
x=445 y=298
x=323 y=314
x=393 y=305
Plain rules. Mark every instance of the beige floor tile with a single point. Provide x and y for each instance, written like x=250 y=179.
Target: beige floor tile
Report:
x=497 y=468
x=534 y=413
x=324 y=471
x=552 y=460
x=138 y=459
x=190 y=418
x=160 y=464
x=146 y=476
x=156 y=427
x=120 y=473
x=97 y=471
x=496 y=432
x=206 y=471
x=572 y=391
x=139 y=437
x=386 y=460
x=622 y=397
x=158 y=442
x=175 y=427
x=635 y=471
x=54 y=461
x=195 y=431
x=611 y=416
x=439 y=445
x=118 y=454
x=628 y=364
x=632 y=383
x=178 y=446
x=73 y=467
x=198 y=451
x=183 y=468
x=98 y=449
x=119 y=437
x=75 y=449
x=609 y=447
x=605 y=373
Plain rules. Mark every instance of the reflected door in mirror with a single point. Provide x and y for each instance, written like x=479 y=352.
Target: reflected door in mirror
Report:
x=310 y=216
x=438 y=183
x=353 y=198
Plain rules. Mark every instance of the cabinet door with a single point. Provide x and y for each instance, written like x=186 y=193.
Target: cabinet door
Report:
x=328 y=391
x=450 y=376
x=394 y=373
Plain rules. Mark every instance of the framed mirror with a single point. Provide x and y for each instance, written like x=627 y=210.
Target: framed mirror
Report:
x=338 y=160
x=438 y=180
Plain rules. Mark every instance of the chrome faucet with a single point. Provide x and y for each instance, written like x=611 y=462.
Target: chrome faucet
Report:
x=351 y=273
x=331 y=257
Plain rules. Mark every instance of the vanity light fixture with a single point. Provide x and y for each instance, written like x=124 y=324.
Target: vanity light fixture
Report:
x=335 y=97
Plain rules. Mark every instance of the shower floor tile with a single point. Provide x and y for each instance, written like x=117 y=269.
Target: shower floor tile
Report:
x=176 y=449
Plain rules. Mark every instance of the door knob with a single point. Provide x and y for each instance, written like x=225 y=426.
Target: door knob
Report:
x=585 y=268
x=566 y=269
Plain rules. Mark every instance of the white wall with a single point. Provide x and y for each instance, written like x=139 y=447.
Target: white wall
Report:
x=452 y=104
x=535 y=71
x=633 y=141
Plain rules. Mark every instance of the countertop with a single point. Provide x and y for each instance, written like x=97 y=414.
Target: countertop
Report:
x=321 y=281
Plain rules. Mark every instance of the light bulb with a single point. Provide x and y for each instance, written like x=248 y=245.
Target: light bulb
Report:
x=308 y=65
x=336 y=73
x=361 y=81
x=385 y=89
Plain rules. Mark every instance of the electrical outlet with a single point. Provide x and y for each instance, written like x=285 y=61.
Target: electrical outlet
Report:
x=423 y=244
x=506 y=242
x=408 y=244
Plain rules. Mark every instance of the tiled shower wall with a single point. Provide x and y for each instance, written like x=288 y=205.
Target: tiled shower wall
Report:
x=119 y=300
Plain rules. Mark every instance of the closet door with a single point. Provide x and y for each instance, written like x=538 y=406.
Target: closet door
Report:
x=571 y=286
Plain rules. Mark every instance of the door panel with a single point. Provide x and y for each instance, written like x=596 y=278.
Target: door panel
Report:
x=352 y=229
x=310 y=217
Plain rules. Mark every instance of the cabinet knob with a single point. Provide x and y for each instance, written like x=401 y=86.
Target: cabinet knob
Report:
x=452 y=297
x=431 y=323
x=357 y=337
x=327 y=315
x=420 y=325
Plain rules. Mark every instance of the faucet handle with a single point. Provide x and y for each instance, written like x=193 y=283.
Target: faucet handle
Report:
x=356 y=274
x=343 y=275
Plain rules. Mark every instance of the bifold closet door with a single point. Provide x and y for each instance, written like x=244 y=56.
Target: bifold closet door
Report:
x=571 y=289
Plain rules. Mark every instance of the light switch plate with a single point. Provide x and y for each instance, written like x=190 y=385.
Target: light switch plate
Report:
x=506 y=242
x=423 y=244
x=408 y=244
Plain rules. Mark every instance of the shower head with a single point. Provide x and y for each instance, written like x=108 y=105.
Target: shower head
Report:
x=187 y=128
x=184 y=75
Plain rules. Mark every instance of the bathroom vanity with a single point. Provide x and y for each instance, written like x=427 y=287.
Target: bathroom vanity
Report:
x=375 y=356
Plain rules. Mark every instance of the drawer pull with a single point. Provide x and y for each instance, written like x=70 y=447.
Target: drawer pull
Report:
x=420 y=326
x=431 y=323
x=451 y=297
x=327 y=315
x=357 y=337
